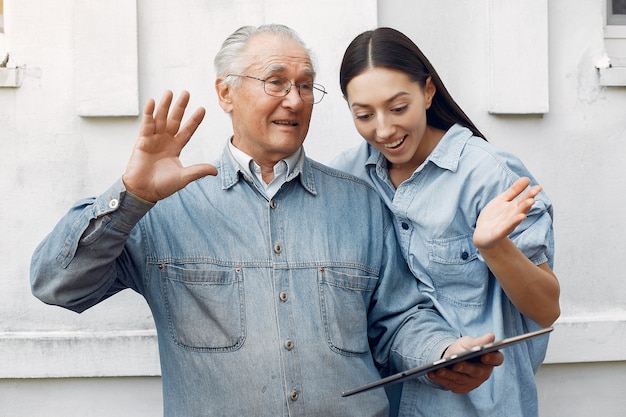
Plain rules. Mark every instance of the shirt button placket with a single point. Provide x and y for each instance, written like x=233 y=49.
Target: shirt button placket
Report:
x=283 y=296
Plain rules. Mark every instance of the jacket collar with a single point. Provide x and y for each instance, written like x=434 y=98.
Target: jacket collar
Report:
x=231 y=173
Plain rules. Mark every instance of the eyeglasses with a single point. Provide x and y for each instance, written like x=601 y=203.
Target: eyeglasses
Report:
x=279 y=87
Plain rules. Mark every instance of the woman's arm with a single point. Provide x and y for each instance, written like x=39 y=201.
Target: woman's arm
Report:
x=533 y=289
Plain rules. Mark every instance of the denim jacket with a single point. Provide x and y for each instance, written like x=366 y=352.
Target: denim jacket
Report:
x=435 y=213
x=269 y=308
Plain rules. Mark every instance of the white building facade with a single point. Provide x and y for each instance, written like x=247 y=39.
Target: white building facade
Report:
x=544 y=79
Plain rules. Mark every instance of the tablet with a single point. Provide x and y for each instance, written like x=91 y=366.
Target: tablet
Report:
x=475 y=352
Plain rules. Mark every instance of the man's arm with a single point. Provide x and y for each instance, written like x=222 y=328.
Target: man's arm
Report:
x=92 y=252
x=75 y=265
x=421 y=335
x=465 y=376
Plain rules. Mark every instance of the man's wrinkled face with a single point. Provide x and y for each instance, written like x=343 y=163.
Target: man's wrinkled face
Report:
x=265 y=127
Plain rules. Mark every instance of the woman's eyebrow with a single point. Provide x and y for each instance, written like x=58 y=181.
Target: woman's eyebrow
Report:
x=389 y=100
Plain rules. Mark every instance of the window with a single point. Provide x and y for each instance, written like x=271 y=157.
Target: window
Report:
x=1 y=17
x=615 y=12
x=613 y=71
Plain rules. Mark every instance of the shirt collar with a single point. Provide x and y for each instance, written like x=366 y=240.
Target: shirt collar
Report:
x=246 y=164
x=228 y=169
x=446 y=154
x=284 y=171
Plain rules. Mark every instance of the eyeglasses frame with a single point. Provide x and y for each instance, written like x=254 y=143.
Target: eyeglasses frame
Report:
x=318 y=87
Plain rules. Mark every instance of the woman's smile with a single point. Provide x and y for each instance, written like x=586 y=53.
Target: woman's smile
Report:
x=395 y=144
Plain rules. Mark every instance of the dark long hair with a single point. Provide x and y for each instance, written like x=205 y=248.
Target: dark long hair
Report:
x=389 y=48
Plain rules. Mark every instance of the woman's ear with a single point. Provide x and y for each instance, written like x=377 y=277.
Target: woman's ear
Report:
x=223 y=91
x=430 y=90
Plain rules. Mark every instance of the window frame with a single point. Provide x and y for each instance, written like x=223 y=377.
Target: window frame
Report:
x=613 y=19
x=1 y=16
x=614 y=73
x=615 y=36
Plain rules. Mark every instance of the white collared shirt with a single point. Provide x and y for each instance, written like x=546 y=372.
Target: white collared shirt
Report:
x=282 y=169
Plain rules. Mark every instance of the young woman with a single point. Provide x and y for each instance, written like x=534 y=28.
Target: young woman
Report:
x=478 y=239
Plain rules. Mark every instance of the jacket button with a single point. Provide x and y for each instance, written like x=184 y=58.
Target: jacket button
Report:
x=288 y=344
x=283 y=296
x=464 y=256
x=272 y=204
x=293 y=394
x=405 y=225
x=278 y=249
x=113 y=203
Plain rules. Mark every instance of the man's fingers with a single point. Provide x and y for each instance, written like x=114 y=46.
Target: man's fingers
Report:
x=195 y=172
x=164 y=120
x=189 y=128
x=493 y=358
x=147 y=119
x=459 y=383
x=160 y=117
x=484 y=339
x=176 y=115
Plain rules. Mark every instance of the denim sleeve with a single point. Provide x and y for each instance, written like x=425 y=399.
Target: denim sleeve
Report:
x=535 y=236
x=353 y=161
x=92 y=252
x=405 y=329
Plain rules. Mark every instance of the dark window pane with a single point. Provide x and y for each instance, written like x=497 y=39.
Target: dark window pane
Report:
x=619 y=6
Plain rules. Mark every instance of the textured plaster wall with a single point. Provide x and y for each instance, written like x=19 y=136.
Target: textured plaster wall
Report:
x=54 y=362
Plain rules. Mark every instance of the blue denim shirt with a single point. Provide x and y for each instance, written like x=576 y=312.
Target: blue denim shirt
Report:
x=269 y=308
x=435 y=214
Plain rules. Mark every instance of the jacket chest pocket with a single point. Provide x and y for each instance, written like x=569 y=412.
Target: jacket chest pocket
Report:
x=204 y=307
x=344 y=305
x=457 y=273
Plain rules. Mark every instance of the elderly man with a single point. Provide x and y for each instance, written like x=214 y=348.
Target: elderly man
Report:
x=275 y=282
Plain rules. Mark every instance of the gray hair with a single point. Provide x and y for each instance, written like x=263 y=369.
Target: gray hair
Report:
x=230 y=58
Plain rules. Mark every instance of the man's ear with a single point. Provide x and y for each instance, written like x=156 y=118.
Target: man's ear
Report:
x=223 y=91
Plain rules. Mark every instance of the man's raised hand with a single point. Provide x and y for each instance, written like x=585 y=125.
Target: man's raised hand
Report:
x=154 y=170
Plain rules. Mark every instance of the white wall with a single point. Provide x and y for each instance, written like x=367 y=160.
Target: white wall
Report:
x=52 y=157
